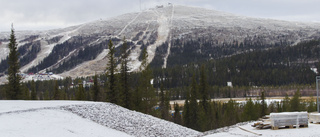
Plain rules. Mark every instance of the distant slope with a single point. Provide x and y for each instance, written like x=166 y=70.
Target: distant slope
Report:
x=163 y=31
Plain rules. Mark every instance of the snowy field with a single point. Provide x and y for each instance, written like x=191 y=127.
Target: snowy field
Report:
x=52 y=123
x=44 y=118
x=81 y=119
x=237 y=131
x=95 y=119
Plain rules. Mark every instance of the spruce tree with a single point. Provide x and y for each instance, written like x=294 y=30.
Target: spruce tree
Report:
x=164 y=106
x=96 y=89
x=13 y=90
x=33 y=91
x=263 y=107
x=149 y=99
x=205 y=109
x=248 y=111
x=202 y=119
x=26 y=92
x=111 y=93
x=286 y=103
x=203 y=90
x=186 y=111
x=137 y=99
x=80 y=95
x=311 y=104
x=194 y=105
x=124 y=76
x=295 y=101
x=177 y=115
x=56 y=92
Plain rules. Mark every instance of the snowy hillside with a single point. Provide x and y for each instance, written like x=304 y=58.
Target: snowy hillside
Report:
x=60 y=49
x=79 y=118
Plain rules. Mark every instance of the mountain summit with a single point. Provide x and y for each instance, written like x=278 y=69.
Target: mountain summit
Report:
x=172 y=34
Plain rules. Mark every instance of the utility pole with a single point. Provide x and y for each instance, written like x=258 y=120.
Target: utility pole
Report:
x=317 y=82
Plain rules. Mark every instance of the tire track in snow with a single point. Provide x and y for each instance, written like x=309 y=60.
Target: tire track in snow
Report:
x=28 y=110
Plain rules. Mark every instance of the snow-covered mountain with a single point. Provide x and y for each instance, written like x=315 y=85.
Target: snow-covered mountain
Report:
x=81 y=50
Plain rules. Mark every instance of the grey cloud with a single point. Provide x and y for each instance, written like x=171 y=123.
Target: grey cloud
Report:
x=48 y=14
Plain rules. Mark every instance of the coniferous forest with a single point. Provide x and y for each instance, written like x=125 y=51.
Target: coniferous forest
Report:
x=151 y=88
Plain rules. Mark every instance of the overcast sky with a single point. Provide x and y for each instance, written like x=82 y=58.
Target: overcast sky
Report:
x=50 y=14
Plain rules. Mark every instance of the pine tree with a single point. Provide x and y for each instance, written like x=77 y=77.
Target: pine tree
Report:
x=248 y=111
x=81 y=95
x=295 y=101
x=164 y=106
x=124 y=77
x=46 y=95
x=13 y=90
x=26 y=92
x=194 y=105
x=311 y=104
x=33 y=91
x=203 y=90
x=149 y=99
x=177 y=115
x=186 y=111
x=112 y=94
x=263 y=104
x=96 y=89
x=286 y=103
x=205 y=109
x=202 y=119
x=137 y=99
x=56 y=92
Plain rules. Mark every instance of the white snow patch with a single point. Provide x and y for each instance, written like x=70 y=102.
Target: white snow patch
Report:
x=53 y=118
x=234 y=131
x=52 y=123
x=16 y=105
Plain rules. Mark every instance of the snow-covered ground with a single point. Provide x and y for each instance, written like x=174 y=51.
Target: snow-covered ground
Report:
x=96 y=119
x=81 y=119
x=237 y=131
x=19 y=105
x=52 y=123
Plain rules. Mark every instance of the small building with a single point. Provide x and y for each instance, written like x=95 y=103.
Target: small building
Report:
x=229 y=84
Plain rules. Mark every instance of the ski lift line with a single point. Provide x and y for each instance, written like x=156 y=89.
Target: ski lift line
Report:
x=129 y=23
x=169 y=41
x=317 y=79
